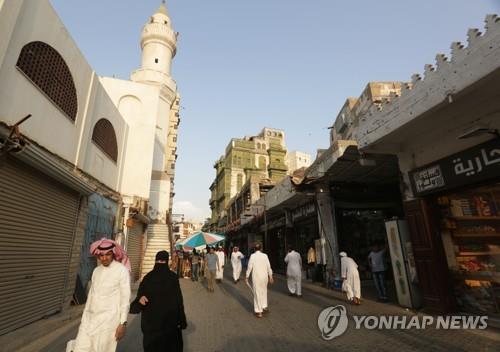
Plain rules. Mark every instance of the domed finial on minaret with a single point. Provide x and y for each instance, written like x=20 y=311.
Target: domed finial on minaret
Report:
x=158 y=44
x=163 y=8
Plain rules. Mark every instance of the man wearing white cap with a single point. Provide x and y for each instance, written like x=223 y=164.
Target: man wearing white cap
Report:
x=260 y=270
x=236 y=258
x=294 y=272
x=350 y=275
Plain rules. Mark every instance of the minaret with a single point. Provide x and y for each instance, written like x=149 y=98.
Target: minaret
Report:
x=158 y=44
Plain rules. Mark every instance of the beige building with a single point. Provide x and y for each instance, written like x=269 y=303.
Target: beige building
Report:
x=296 y=160
x=346 y=123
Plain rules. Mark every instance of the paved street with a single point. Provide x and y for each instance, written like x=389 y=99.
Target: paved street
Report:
x=223 y=321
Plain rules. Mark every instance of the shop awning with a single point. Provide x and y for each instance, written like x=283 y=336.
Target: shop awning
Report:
x=350 y=166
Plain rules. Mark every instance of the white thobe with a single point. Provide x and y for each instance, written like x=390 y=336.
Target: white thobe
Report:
x=260 y=269
x=219 y=274
x=107 y=307
x=236 y=258
x=350 y=272
x=294 y=272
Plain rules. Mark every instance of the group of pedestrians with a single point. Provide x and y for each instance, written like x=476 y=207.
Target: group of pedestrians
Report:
x=159 y=297
x=159 y=300
x=186 y=264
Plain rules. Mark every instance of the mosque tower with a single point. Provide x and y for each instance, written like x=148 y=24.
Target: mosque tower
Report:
x=158 y=44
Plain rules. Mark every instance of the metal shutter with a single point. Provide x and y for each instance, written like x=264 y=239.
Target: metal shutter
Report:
x=37 y=222
x=134 y=246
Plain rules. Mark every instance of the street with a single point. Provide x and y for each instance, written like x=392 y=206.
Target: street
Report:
x=223 y=321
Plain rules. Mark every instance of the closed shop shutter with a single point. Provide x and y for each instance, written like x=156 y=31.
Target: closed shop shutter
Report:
x=134 y=248
x=37 y=223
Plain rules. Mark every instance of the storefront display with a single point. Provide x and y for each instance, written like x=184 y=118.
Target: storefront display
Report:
x=359 y=230
x=470 y=229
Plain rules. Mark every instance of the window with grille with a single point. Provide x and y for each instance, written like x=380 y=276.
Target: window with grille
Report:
x=105 y=138
x=47 y=70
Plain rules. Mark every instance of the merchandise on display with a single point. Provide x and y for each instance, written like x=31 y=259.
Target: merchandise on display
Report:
x=472 y=220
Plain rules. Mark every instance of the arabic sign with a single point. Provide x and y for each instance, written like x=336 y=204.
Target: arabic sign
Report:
x=279 y=222
x=428 y=179
x=303 y=210
x=473 y=165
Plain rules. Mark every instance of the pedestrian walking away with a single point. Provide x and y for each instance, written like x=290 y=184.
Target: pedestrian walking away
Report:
x=212 y=265
x=159 y=300
x=104 y=318
x=294 y=272
x=260 y=270
x=236 y=258
x=350 y=275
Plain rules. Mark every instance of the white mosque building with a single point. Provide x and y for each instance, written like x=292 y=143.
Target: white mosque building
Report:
x=149 y=102
x=81 y=157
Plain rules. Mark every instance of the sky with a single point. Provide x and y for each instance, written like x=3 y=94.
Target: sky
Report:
x=288 y=64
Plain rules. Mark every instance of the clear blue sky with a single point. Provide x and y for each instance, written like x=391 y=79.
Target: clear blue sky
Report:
x=290 y=64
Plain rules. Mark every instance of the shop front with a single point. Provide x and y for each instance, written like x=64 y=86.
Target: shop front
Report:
x=304 y=230
x=304 y=236
x=462 y=191
x=272 y=235
x=359 y=229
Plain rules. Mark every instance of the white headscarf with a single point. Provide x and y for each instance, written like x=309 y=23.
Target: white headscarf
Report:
x=343 y=254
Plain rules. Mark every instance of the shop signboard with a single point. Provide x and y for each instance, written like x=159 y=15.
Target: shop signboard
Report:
x=279 y=222
x=303 y=211
x=473 y=165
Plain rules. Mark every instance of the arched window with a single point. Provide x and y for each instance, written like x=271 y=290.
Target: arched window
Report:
x=105 y=138
x=258 y=145
x=46 y=69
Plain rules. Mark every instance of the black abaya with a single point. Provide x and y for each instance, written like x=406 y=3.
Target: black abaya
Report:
x=163 y=317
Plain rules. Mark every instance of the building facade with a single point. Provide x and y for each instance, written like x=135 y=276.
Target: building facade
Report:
x=338 y=203
x=296 y=160
x=81 y=157
x=60 y=167
x=262 y=156
x=448 y=150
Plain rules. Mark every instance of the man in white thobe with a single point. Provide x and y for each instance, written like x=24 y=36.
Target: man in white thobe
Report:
x=236 y=258
x=104 y=318
x=219 y=274
x=294 y=272
x=350 y=275
x=260 y=269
